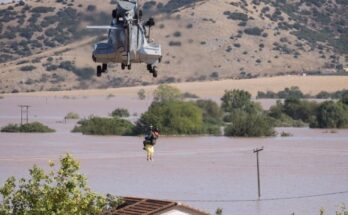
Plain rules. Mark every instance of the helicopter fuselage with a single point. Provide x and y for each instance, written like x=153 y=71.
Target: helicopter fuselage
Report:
x=128 y=41
x=115 y=49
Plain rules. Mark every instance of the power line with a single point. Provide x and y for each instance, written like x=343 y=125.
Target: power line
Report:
x=265 y=199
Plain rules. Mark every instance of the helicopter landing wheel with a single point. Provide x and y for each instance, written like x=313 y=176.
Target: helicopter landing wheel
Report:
x=149 y=68
x=129 y=66
x=123 y=66
x=104 y=67
x=99 y=71
x=154 y=72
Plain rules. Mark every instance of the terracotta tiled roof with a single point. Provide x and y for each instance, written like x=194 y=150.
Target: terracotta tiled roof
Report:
x=141 y=206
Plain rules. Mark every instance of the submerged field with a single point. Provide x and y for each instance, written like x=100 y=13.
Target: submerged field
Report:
x=300 y=174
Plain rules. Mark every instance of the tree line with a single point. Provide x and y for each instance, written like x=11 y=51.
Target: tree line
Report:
x=295 y=92
x=238 y=115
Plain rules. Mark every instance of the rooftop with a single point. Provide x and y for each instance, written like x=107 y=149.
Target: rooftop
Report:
x=142 y=206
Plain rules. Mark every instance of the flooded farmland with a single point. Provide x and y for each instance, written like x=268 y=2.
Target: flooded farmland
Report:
x=300 y=174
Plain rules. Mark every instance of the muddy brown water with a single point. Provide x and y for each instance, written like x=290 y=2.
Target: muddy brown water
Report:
x=299 y=174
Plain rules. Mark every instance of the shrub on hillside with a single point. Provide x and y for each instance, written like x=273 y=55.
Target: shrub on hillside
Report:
x=120 y=112
x=42 y=9
x=104 y=126
x=59 y=191
x=27 y=68
x=255 y=31
x=35 y=127
x=236 y=16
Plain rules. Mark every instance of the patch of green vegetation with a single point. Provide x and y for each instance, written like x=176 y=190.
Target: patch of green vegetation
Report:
x=245 y=118
x=104 y=126
x=72 y=115
x=42 y=9
x=120 y=112
x=236 y=16
x=328 y=114
x=141 y=94
x=188 y=95
x=62 y=190
x=176 y=117
x=166 y=92
x=255 y=31
x=285 y=134
x=292 y=92
x=317 y=3
x=82 y=73
x=27 y=68
x=281 y=119
x=173 y=117
x=331 y=114
x=35 y=127
x=295 y=92
x=212 y=116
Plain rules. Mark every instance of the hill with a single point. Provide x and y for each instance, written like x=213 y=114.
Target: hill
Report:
x=46 y=47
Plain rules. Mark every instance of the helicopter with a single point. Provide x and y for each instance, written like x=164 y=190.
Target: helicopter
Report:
x=128 y=40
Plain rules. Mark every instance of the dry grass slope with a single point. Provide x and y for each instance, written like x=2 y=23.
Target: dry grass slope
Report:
x=202 y=40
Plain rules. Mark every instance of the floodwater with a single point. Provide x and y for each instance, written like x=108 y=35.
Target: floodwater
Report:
x=300 y=174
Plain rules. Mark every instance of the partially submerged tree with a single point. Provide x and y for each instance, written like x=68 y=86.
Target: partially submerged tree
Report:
x=245 y=117
x=172 y=117
x=166 y=93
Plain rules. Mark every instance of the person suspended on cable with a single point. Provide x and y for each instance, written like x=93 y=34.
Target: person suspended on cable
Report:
x=150 y=140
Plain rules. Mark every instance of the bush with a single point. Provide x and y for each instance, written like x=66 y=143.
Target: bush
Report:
x=27 y=68
x=188 y=95
x=246 y=118
x=104 y=126
x=331 y=114
x=253 y=31
x=280 y=119
x=59 y=191
x=212 y=116
x=235 y=99
x=292 y=92
x=236 y=16
x=141 y=94
x=244 y=124
x=72 y=115
x=91 y=8
x=42 y=9
x=35 y=127
x=120 y=112
x=300 y=109
x=166 y=93
x=172 y=117
x=285 y=134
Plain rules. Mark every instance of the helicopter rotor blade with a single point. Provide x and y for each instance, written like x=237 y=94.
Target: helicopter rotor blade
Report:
x=107 y=27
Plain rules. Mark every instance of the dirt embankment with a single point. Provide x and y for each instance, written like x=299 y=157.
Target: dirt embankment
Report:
x=310 y=84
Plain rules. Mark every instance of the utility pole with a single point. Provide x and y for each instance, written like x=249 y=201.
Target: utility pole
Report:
x=24 y=109
x=257 y=150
